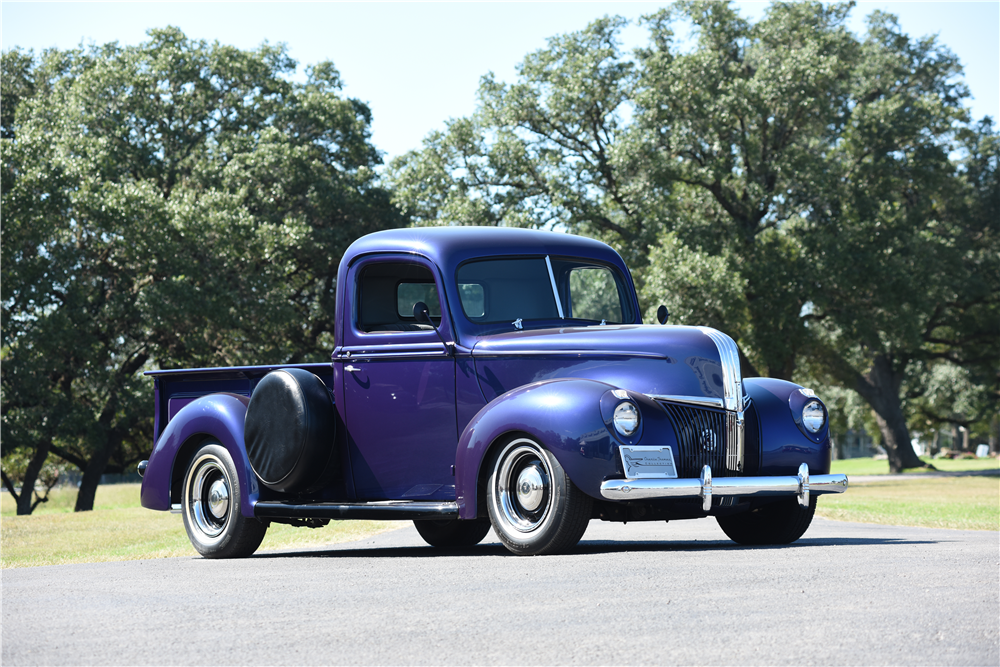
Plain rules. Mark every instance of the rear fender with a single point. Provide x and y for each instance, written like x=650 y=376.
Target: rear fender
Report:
x=216 y=416
x=563 y=415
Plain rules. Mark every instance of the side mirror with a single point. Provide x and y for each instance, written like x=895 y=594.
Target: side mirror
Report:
x=662 y=314
x=421 y=314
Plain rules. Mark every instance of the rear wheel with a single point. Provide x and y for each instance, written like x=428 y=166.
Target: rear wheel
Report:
x=780 y=522
x=452 y=533
x=211 y=507
x=533 y=505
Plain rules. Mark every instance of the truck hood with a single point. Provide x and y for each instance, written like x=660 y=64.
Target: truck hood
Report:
x=650 y=359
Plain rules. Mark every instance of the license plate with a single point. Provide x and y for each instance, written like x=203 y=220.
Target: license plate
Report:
x=648 y=461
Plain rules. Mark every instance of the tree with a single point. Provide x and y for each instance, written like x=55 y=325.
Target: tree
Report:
x=827 y=159
x=911 y=281
x=747 y=175
x=547 y=151
x=175 y=203
x=740 y=125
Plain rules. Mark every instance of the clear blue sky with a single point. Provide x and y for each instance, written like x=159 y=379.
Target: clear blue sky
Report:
x=418 y=64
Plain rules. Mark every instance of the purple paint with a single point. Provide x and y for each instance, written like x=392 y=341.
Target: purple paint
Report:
x=421 y=412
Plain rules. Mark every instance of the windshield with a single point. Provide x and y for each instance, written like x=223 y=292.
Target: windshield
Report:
x=510 y=289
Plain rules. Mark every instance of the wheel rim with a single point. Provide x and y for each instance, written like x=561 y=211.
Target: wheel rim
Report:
x=208 y=496
x=522 y=486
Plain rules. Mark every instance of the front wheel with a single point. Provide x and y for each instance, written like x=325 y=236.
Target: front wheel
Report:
x=211 y=507
x=533 y=505
x=452 y=533
x=780 y=522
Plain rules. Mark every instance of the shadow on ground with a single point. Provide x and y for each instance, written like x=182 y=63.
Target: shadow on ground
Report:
x=586 y=547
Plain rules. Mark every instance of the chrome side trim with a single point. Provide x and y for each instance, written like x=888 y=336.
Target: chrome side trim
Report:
x=487 y=354
x=732 y=378
x=702 y=401
x=555 y=292
x=386 y=510
x=800 y=485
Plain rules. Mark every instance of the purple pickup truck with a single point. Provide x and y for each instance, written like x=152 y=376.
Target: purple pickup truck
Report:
x=482 y=378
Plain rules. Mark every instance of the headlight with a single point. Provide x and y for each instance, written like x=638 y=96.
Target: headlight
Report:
x=813 y=416
x=809 y=413
x=626 y=418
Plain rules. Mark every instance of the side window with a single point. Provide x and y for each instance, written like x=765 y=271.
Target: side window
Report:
x=387 y=292
x=594 y=295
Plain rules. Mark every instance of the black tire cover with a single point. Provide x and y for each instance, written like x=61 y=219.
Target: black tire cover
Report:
x=289 y=430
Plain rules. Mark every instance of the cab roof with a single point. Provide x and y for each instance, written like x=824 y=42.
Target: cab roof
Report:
x=450 y=246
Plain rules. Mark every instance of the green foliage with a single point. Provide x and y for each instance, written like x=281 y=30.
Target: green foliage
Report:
x=698 y=288
x=547 y=151
x=175 y=203
x=785 y=181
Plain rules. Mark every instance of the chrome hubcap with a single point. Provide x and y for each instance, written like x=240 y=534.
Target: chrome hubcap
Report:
x=218 y=499
x=522 y=489
x=207 y=496
x=530 y=488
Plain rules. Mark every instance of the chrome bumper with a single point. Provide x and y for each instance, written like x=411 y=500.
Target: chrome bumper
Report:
x=800 y=485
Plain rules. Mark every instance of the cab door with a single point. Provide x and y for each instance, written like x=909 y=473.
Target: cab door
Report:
x=399 y=382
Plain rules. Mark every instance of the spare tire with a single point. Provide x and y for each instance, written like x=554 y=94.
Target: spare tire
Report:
x=289 y=430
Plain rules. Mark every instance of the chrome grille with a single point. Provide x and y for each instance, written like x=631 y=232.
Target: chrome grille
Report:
x=706 y=437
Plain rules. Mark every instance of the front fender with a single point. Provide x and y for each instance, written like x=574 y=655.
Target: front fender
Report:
x=565 y=416
x=217 y=416
x=783 y=445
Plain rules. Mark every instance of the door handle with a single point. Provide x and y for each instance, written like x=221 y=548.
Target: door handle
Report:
x=351 y=369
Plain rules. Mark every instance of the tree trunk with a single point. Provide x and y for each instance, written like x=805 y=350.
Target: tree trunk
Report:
x=880 y=388
x=896 y=440
x=91 y=479
x=24 y=505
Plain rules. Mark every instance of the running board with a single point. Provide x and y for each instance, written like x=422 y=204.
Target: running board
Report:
x=386 y=510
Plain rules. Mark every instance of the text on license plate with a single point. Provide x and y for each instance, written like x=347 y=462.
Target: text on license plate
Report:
x=647 y=461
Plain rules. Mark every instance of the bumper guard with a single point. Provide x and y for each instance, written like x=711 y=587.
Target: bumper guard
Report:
x=800 y=485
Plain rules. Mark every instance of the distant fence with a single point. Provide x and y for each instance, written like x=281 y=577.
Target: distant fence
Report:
x=73 y=477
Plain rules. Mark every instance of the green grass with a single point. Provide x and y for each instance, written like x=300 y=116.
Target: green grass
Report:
x=881 y=467
x=119 y=529
x=964 y=503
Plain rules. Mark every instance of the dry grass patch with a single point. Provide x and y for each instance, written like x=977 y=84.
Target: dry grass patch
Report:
x=119 y=529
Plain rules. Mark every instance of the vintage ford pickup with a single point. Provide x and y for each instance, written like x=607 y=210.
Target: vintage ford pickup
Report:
x=489 y=377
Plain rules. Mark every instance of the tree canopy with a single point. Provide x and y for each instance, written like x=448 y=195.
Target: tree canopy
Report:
x=175 y=203
x=819 y=195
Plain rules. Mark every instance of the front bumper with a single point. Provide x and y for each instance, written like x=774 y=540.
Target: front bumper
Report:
x=800 y=485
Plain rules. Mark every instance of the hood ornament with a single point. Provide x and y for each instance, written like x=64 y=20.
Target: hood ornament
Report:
x=517 y=324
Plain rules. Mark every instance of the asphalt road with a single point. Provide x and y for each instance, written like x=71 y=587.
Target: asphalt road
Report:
x=678 y=593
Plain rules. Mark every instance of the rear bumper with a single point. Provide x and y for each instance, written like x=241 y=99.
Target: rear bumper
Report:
x=800 y=485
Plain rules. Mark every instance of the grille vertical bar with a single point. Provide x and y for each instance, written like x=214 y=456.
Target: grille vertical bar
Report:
x=706 y=437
